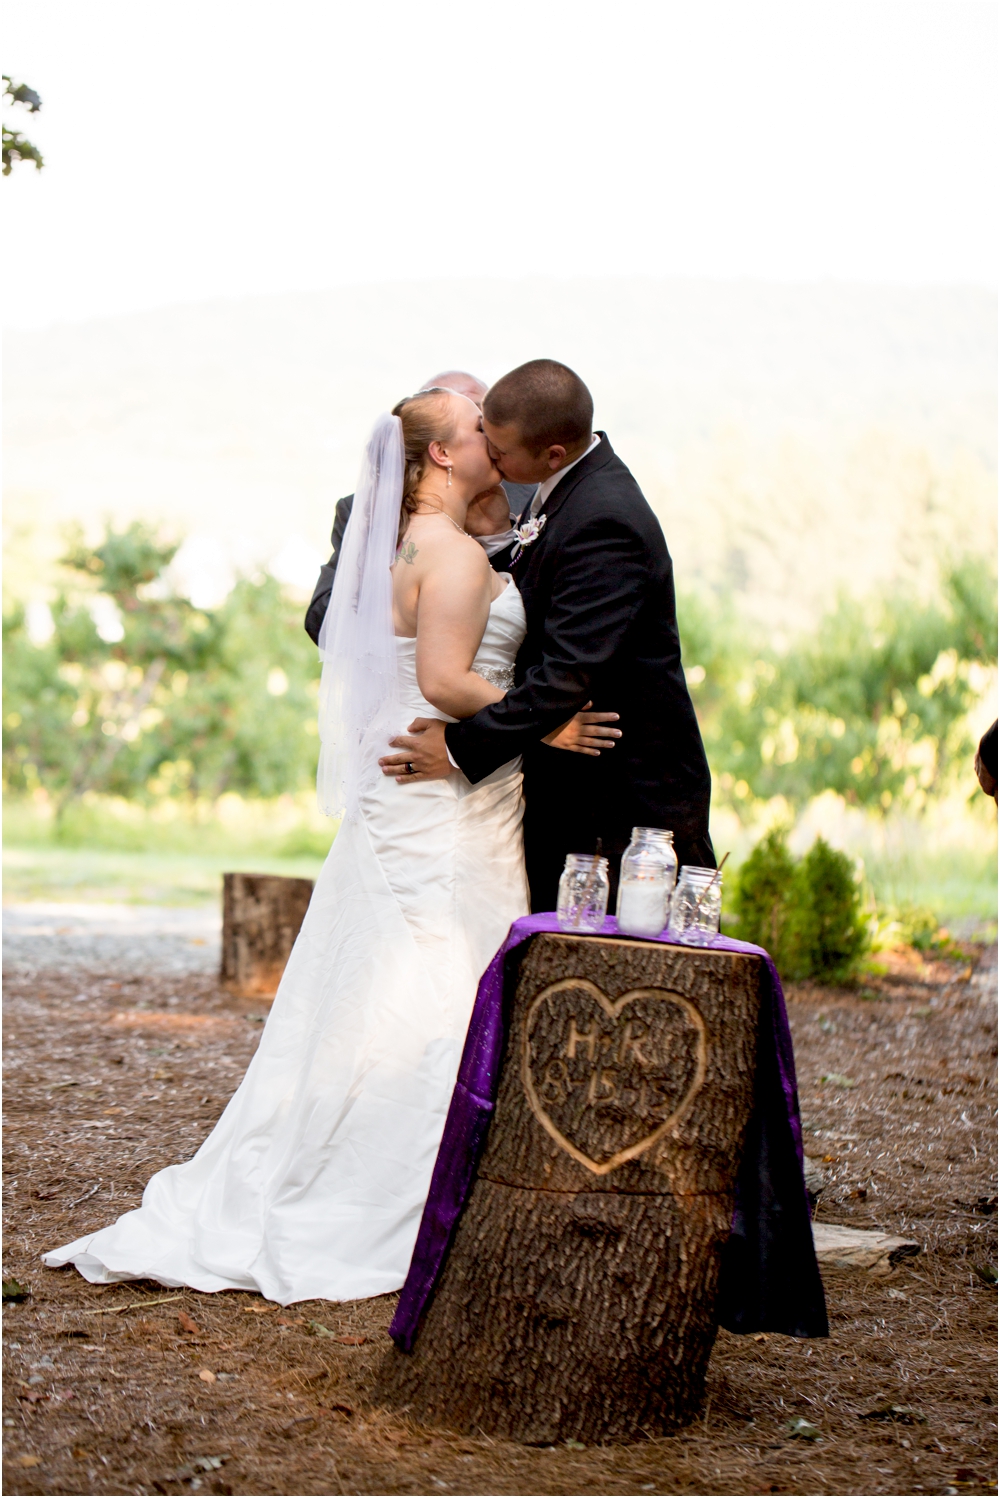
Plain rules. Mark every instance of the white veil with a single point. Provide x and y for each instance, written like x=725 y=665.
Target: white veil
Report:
x=359 y=707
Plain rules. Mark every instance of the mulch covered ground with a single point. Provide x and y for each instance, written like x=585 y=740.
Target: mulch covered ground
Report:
x=110 y=1079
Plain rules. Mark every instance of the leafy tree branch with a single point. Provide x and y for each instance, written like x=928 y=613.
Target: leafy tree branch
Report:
x=16 y=147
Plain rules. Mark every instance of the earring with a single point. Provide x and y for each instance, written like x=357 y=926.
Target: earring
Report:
x=448 y=484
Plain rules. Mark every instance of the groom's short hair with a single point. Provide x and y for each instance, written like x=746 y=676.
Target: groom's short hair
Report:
x=545 y=401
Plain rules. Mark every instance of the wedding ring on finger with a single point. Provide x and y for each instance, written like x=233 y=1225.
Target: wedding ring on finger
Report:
x=408 y=767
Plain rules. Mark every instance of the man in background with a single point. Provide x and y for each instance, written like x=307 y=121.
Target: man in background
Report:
x=491 y=521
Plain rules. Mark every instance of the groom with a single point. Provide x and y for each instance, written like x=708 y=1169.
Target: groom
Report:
x=597 y=584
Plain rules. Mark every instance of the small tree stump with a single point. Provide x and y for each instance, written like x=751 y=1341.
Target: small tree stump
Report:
x=578 y=1297
x=261 y=916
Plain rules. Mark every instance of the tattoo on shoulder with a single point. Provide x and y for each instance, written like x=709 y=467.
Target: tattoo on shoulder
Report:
x=407 y=553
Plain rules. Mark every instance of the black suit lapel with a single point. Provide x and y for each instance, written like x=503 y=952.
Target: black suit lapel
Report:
x=595 y=460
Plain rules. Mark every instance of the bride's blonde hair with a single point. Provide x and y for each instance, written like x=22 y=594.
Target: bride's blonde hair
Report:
x=425 y=417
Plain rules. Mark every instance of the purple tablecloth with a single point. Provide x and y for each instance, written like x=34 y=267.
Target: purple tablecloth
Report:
x=769 y=1279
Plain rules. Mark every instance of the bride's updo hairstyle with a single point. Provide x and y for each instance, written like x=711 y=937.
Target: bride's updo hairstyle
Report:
x=426 y=417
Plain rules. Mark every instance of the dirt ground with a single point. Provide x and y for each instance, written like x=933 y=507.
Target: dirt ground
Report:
x=110 y=1079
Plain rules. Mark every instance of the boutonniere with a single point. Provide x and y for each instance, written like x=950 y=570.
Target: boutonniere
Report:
x=528 y=533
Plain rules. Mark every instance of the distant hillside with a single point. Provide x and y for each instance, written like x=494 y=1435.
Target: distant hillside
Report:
x=792 y=439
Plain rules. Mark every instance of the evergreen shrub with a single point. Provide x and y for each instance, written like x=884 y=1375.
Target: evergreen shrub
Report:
x=763 y=885
x=806 y=913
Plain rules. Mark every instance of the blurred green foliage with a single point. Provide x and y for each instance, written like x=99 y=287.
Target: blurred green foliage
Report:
x=17 y=147
x=871 y=704
x=808 y=913
x=913 y=925
x=138 y=694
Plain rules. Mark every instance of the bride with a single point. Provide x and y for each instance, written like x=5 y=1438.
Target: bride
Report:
x=312 y=1183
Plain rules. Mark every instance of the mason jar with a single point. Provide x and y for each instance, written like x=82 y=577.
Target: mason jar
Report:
x=696 y=906
x=583 y=893
x=648 y=872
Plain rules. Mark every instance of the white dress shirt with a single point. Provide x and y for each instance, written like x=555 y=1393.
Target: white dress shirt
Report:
x=500 y=539
x=544 y=490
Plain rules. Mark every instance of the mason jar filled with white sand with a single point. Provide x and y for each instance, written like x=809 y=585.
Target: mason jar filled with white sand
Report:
x=646 y=882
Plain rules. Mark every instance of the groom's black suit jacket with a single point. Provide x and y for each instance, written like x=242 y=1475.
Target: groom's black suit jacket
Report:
x=598 y=592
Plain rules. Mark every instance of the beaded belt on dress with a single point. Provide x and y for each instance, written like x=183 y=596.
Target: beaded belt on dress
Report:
x=497 y=676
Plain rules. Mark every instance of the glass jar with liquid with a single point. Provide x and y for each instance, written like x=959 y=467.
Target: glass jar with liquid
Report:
x=646 y=882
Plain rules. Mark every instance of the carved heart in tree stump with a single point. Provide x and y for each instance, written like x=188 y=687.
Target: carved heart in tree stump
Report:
x=578 y=1301
x=608 y=1078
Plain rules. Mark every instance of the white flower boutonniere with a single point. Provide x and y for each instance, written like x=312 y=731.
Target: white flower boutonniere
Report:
x=529 y=532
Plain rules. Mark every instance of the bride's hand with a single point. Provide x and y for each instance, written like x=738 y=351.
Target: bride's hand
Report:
x=489 y=513
x=583 y=734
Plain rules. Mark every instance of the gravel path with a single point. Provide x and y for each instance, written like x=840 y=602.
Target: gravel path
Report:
x=126 y=940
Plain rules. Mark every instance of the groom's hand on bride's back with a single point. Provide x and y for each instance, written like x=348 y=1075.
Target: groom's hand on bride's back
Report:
x=422 y=754
x=586 y=732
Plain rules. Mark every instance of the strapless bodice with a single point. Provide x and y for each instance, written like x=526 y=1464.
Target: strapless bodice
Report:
x=505 y=629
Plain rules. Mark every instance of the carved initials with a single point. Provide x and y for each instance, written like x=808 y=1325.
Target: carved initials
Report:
x=603 y=1087
x=621 y=1045
x=577 y=1037
x=557 y=1084
x=633 y=1031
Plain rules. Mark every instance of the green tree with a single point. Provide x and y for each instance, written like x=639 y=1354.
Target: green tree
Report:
x=763 y=887
x=807 y=913
x=826 y=932
x=139 y=694
x=870 y=705
x=245 y=719
x=716 y=648
x=17 y=147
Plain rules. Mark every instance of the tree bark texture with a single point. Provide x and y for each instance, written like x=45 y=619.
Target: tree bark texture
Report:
x=261 y=916
x=578 y=1297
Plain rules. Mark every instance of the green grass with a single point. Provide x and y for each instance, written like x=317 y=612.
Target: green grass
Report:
x=945 y=861
x=960 y=887
x=82 y=874
x=125 y=854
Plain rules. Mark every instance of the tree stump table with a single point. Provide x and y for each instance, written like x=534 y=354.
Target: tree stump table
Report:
x=261 y=916
x=578 y=1297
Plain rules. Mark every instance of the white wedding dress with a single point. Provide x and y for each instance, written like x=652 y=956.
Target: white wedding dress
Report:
x=312 y=1183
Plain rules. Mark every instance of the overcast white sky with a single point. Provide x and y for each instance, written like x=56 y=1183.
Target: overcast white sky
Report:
x=209 y=148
